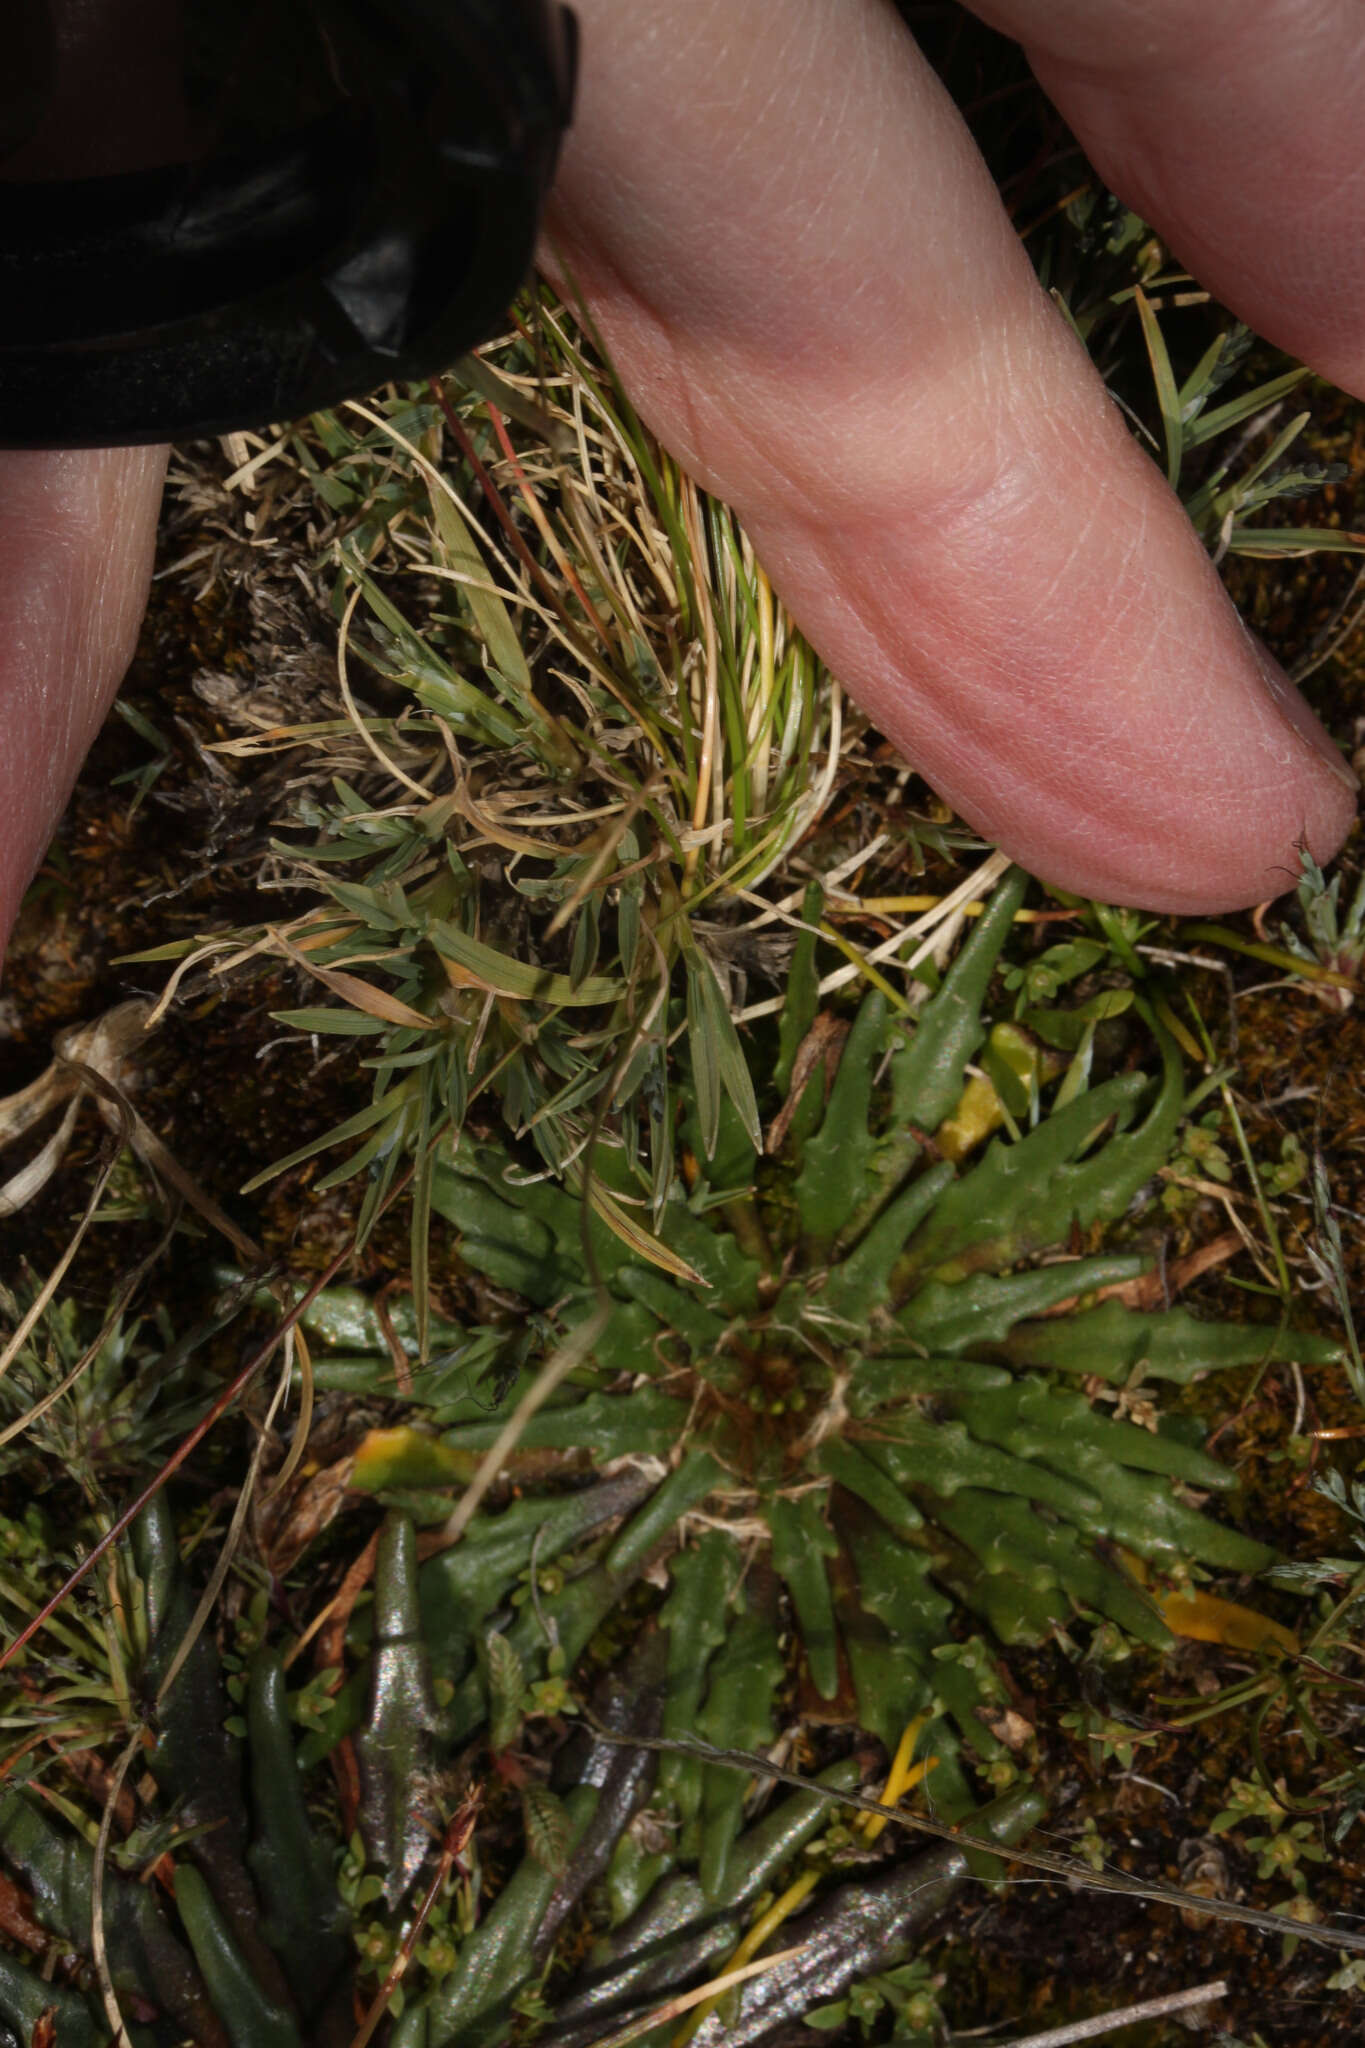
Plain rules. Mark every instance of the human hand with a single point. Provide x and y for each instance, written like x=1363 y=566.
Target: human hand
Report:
x=813 y=295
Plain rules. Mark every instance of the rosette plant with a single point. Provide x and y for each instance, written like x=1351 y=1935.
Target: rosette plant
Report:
x=863 y=1373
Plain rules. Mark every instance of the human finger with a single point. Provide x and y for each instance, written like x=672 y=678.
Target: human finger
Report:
x=811 y=292
x=77 y=533
x=1236 y=128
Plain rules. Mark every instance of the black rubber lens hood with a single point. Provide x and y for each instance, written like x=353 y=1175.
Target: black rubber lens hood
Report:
x=380 y=234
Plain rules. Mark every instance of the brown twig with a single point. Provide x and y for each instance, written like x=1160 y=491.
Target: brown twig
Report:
x=1157 y=1289
x=402 y=1365
x=1066 y=1867
x=17 y=1919
x=1127 y=2016
x=331 y=1647
x=454 y=1842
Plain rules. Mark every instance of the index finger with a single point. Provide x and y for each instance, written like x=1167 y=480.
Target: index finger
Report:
x=813 y=294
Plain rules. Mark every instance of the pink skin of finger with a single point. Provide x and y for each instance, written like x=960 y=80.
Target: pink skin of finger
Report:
x=77 y=535
x=1237 y=127
x=811 y=290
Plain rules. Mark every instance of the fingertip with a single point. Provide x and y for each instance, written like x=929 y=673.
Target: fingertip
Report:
x=1223 y=828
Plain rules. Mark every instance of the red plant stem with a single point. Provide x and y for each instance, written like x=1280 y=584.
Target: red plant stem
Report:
x=505 y=442
x=491 y=492
x=455 y=1841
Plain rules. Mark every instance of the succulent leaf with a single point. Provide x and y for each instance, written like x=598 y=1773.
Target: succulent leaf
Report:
x=862 y=1476
x=460 y=1588
x=928 y=1070
x=57 y=1868
x=1010 y=1541
x=1026 y=1196
x=879 y=1323
x=1057 y=1425
x=836 y=1159
x=737 y=1713
x=304 y=1919
x=26 y=1997
x=474 y=2004
x=685 y=1487
x=846 y=1403
x=196 y=1763
x=395 y=1748
x=701 y=1581
x=1171 y=1344
x=864 y=1926
x=984 y=1310
x=803 y=991
x=251 y=2017
x=801 y=1542
x=678 y=1933
x=861 y=1284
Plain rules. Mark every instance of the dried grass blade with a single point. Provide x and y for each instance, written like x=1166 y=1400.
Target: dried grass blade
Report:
x=715 y=1988
x=98 y=1949
x=30 y=1180
x=18 y=1113
x=361 y=995
x=632 y=1234
x=38 y=1306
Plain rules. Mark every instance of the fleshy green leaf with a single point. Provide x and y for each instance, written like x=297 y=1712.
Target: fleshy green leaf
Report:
x=252 y=2019
x=801 y=1543
x=394 y=1746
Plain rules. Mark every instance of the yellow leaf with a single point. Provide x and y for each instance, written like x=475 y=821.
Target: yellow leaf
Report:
x=406 y=1457
x=978 y=1114
x=374 y=1002
x=1203 y=1619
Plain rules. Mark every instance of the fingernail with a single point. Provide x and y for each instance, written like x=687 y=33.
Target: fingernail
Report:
x=1304 y=721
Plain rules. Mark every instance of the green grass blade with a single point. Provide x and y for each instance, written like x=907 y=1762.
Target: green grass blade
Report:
x=1167 y=396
